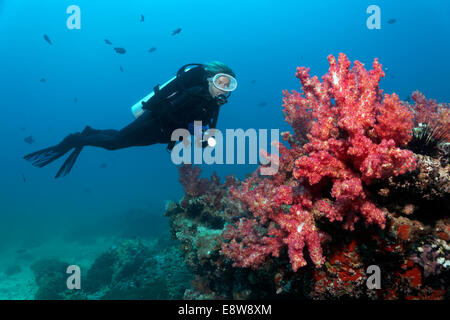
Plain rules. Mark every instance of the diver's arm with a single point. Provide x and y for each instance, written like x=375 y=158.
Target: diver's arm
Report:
x=211 y=124
x=213 y=120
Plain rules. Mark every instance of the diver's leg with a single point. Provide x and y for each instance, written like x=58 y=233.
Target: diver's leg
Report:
x=90 y=131
x=143 y=131
x=76 y=140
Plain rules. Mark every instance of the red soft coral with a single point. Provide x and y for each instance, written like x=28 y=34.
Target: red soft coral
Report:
x=247 y=246
x=356 y=140
x=346 y=136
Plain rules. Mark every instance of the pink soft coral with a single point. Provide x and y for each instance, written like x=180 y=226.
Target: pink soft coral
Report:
x=355 y=140
x=346 y=136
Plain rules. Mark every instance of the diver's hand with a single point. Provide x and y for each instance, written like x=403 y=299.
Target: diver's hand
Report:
x=203 y=141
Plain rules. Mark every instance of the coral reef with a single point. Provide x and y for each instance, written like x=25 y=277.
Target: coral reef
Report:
x=431 y=134
x=348 y=191
x=354 y=139
x=50 y=276
x=134 y=269
x=138 y=269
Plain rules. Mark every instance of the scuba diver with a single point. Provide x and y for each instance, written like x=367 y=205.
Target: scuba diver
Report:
x=194 y=94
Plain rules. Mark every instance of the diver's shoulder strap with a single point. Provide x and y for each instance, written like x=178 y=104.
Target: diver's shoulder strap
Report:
x=160 y=93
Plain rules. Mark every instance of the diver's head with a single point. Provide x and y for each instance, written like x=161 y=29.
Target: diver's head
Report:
x=221 y=80
x=218 y=84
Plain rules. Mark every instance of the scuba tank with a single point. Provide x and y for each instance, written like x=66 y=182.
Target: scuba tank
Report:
x=139 y=107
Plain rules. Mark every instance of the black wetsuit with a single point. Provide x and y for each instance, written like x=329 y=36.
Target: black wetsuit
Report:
x=182 y=101
x=175 y=106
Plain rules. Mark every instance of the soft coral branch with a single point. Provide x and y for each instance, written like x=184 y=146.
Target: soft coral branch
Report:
x=346 y=136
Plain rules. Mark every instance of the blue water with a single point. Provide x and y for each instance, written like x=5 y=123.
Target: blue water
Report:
x=262 y=41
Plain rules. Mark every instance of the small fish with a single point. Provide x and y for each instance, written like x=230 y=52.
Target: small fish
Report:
x=253 y=82
x=408 y=98
x=142 y=18
x=121 y=69
x=120 y=50
x=262 y=104
x=29 y=140
x=23 y=178
x=20 y=251
x=46 y=38
x=75 y=99
x=108 y=42
x=392 y=21
x=176 y=31
x=42 y=80
x=23 y=129
x=103 y=165
x=152 y=49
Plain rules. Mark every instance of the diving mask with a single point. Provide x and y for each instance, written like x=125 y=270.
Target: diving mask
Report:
x=224 y=82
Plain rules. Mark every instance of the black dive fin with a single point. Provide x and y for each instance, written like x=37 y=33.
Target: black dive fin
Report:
x=43 y=157
x=68 y=164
